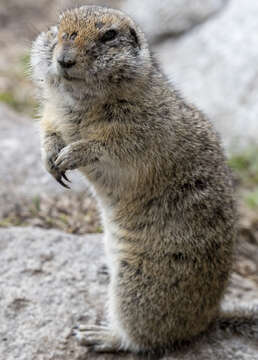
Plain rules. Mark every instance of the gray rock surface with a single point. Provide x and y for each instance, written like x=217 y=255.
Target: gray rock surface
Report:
x=170 y=17
x=50 y=280
x=215 y=66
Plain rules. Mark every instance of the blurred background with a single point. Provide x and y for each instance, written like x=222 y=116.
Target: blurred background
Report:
x=207 y=48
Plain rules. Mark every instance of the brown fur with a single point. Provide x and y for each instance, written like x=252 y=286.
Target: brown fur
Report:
x=159 y=173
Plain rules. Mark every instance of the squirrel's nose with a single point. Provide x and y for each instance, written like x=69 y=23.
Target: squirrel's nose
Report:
x=65 y=62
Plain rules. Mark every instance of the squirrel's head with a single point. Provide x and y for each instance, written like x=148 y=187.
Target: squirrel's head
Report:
x=99 y=47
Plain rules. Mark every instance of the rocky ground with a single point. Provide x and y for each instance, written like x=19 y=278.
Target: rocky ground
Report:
x=50 y=279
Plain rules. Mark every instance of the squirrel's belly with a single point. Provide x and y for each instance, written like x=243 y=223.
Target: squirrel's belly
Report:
x=111 y=241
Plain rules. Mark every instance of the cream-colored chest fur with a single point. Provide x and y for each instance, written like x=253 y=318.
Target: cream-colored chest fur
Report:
x=60 y=115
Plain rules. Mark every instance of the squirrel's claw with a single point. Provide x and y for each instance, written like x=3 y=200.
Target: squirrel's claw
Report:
x=60 y=181
x=65 y=177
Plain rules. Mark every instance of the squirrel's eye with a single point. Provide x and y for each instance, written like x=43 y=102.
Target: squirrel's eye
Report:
x=73 y=36
x=109 y=35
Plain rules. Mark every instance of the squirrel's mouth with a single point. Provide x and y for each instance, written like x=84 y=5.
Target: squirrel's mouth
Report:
x=67 y=77
x=67 y=74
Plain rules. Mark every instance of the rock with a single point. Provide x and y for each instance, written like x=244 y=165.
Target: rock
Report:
x=215 y=66
x=169 y=18
x=49 y=281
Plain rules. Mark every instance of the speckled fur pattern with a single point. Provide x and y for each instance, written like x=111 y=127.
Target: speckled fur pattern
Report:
x=159 y=174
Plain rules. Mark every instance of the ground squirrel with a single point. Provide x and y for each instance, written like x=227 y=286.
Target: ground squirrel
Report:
x=159 y=174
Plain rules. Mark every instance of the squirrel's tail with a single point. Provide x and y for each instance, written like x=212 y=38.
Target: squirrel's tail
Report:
x=242 y=323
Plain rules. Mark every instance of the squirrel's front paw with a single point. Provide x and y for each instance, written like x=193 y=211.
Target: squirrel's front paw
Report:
x=69 y=158
x=54 y=171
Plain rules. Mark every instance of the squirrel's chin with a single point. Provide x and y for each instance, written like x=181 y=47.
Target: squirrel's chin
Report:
x=61 y=74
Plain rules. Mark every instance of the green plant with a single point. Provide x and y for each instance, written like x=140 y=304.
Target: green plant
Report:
x=252 y=199
x=245 y=164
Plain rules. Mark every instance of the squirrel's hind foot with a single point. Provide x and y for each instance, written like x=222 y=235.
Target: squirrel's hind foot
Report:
x=97 y=338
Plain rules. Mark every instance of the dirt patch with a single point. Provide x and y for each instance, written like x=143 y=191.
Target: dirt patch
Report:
x=73 y=213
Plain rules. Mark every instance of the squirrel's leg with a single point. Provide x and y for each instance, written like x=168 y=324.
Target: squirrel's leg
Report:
x=51 y=145
x=79 y=154
x=97 y=338
x=109 y=338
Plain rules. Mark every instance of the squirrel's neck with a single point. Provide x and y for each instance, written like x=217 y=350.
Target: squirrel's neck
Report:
x=78 y=97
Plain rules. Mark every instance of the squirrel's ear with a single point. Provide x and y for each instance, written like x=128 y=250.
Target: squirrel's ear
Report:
x=53 y=30
x=135 y=37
